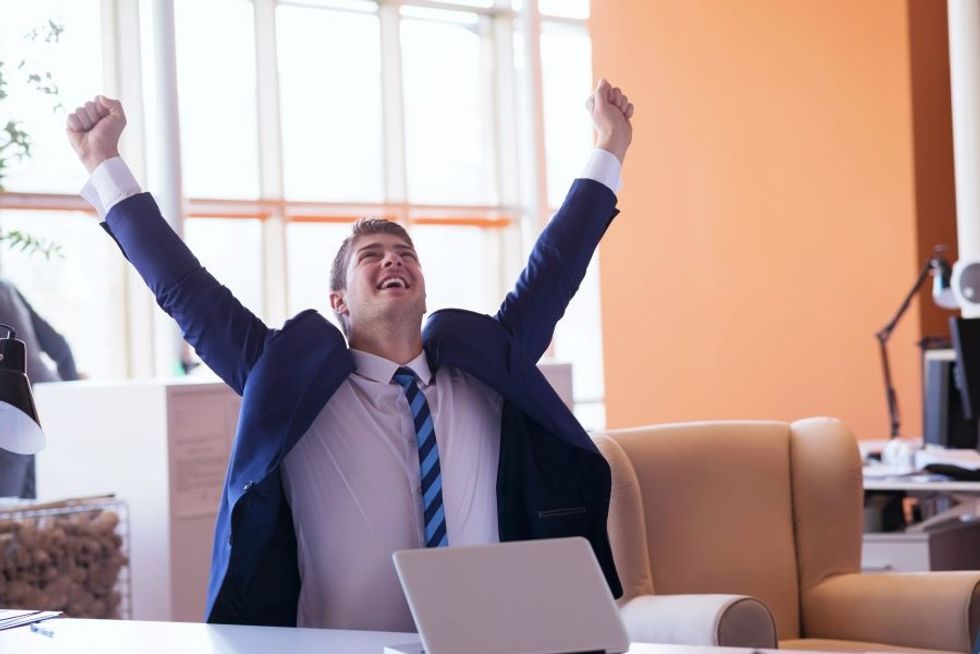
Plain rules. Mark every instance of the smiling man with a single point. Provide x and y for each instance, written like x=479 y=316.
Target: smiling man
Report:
x=396 y=438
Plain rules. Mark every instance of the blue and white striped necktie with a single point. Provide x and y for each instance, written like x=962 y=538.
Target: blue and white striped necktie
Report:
x=425 y=438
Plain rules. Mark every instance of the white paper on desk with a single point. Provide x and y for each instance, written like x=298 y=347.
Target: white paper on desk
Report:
x=966 y=459
x=10 y=618
x=883 y=471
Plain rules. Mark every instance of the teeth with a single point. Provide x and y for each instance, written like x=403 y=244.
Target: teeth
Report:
x=393 y=282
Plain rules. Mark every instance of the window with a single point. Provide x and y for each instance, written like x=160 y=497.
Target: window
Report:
x=330 y=94
x=566 y=56
x=312 y=247
x=216 y=90
x=447 y=127
x=74 y=62
x=566 y=76
x=231 y=250
x=565 y=8
x=454 y=260
x=78 y=294
x=295 y=118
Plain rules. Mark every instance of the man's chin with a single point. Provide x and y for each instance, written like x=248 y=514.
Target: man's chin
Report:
x=400 y=310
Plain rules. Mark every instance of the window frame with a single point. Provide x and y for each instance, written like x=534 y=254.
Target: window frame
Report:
x=518 y=148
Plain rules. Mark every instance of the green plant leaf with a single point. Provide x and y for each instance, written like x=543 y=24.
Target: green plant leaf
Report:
x=31 y=245
x=17 y=142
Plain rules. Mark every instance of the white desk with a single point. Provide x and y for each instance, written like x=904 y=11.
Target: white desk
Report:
x=127 y=637
x=913 y=483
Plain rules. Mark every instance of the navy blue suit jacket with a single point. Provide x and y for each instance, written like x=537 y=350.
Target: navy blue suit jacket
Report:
x=551 y=479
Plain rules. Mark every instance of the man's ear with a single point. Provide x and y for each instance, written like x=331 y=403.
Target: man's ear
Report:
x=338 y=303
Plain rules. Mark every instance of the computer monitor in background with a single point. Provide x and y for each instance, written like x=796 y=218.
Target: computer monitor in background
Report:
x=966 y=372
x=953 y=416
x=943 y=422
x=951 y=387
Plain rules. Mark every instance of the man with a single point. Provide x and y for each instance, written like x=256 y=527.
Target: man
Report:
x=17 y=477
x=406 y=438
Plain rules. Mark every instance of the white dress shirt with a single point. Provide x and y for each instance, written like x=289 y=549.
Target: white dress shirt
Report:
x=354 y=486
x=352 y=481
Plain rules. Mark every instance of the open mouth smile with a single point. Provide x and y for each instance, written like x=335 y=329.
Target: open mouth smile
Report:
x=395 y=281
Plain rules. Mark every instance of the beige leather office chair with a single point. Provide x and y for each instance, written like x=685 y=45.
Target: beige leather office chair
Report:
x=772 y=511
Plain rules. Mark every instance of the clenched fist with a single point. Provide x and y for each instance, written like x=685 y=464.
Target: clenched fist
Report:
x=94 y=130
x=611 y=111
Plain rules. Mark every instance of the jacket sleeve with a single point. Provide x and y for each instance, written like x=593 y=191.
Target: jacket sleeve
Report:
x=228 y=337
x=557 y=266
x=52 y=343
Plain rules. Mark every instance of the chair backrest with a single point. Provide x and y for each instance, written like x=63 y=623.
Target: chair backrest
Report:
x=744 y=507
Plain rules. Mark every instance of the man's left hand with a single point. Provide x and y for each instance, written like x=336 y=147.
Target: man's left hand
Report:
x=611 y=112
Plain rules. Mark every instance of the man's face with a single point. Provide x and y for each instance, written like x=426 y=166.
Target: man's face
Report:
x=384 y=282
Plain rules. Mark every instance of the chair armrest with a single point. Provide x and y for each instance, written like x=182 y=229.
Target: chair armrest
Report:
x=714 y=620
x=928 y=610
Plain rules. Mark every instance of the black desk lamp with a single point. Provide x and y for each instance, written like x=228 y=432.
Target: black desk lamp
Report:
x=942 y=295
x=20 y=431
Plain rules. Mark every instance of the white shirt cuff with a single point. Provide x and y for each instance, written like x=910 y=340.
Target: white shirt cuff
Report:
x=605 y=168
x=110 y=183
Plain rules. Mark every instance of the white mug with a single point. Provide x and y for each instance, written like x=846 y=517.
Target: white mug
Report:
x=900 y=453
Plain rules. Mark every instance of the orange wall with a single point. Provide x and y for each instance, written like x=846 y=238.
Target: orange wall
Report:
x=769 y=222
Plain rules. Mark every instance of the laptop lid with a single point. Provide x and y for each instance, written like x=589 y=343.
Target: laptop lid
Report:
x=534 y=597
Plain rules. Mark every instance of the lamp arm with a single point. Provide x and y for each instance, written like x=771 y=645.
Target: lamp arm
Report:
x=883 y=335
x=886 y=331
x=890 y=396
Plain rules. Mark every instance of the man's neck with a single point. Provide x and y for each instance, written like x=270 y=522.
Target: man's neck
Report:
x=398 y=347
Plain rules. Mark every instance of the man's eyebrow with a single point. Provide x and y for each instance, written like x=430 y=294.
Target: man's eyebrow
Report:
x=402 y=247
x=369 y=246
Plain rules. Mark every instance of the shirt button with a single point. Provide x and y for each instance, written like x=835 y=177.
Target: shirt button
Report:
x=248 y=486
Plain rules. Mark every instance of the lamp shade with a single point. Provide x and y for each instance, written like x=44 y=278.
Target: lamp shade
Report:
x=20 y=431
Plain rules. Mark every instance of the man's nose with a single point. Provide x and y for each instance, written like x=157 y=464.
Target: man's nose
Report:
x=392 y=259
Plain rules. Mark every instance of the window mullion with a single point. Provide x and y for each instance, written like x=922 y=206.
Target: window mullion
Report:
x=169 y=345
x=122 y=62
x=537 y=174
x=536 y=195
x=393 y=107
x=507 y=149
x=275 y=277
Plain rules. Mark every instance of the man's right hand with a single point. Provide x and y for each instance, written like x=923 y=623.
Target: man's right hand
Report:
x=94 y=131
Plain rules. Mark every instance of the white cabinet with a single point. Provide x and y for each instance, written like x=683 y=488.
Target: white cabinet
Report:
x=162 y=446
x=559 y=375
x=954 y=546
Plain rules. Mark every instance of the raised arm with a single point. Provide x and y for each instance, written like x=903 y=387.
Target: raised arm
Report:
x=562 y=253
x=226 y=335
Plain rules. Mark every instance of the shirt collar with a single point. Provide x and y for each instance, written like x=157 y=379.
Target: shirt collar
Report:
x=380 y=369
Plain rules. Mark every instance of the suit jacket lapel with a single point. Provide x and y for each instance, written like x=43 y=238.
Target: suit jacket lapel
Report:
x=478 y=345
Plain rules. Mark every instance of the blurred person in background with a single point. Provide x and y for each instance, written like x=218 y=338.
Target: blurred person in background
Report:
x=17 y=470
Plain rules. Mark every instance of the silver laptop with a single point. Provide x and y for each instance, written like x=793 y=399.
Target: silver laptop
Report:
x=529 y=597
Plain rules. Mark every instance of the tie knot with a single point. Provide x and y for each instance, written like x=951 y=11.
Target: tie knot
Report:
x=404 y=377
